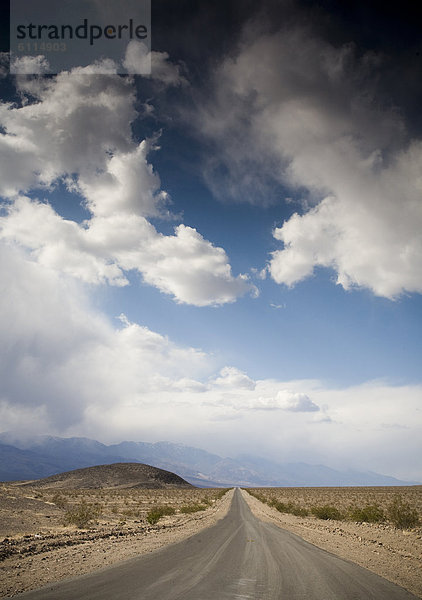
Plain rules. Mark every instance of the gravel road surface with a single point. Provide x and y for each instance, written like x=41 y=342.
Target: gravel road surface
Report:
x=239 y=558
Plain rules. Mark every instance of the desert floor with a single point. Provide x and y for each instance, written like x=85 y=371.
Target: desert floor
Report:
x=37 y=548
x=393 y=553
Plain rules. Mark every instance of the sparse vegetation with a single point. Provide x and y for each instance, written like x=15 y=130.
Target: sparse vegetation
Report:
x=82 y=514
x=290 y=508
x=103 y=512
x=218 y=494
x=402 y=514
x=192 y=508
x=372 y=513
x=155 y=514
x=59 y=500
x=369 y=505
x=260 y=497
x=327 y=512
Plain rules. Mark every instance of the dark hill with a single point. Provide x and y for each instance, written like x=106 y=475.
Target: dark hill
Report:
x=117 y=475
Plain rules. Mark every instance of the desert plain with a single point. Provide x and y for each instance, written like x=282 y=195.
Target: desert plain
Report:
x=393 y=552
x=41 y=540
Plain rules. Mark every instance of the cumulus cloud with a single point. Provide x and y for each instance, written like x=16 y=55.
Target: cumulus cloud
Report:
x=236 y=387
x=155 y=65
x=100 y=250
x=29 y=65
x=291 y=108
x=59 y=137
x=368 y=233
x=192 y=269
x=59 y=133
x=295 y=402
x=137 y=58
x=127 y=185
x=230 y=377
x=59 y=356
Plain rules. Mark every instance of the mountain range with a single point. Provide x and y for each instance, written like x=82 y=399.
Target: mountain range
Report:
x=42 y=456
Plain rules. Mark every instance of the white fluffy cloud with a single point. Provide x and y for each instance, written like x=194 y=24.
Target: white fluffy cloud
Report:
x=192 y=269
x=230 y=377
x=235 y=390
x=295 y=402
x=62 y=358
x=157 y=64
x=100 y=250
x=60 y=133
x=368 y=232
x=29 y=65
x=128 y=185
x=295 y=109
x=61 y=136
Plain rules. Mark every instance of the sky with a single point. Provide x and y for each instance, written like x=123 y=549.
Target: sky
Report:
x=227 y=252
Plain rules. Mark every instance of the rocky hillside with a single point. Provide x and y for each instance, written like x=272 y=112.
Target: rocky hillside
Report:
x=117 y=475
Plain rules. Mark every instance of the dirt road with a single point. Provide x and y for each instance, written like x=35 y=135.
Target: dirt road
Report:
x=240 y=557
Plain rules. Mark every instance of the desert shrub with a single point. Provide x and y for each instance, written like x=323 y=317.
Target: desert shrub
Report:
x=168 y=510
x=327 y=512
x=221 y=493
x=155 y=514
x=402 y=514
x=372 y=513
x=290 y=508
x=153 y=517
x=298 y=511
x=258 y=496
x=280 y=506
x=59 y=500
x=191 y=508
x=82 y=514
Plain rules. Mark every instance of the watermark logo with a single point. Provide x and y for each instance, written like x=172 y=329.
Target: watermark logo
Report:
x=50 y=36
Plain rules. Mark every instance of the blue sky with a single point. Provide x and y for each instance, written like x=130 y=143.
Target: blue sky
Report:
x=316 y=329
x=226 y=253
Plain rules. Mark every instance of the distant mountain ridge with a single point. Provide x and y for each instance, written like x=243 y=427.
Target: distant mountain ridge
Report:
x=42 y=456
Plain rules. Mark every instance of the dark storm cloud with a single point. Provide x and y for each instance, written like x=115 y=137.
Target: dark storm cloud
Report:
x=201 y=36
